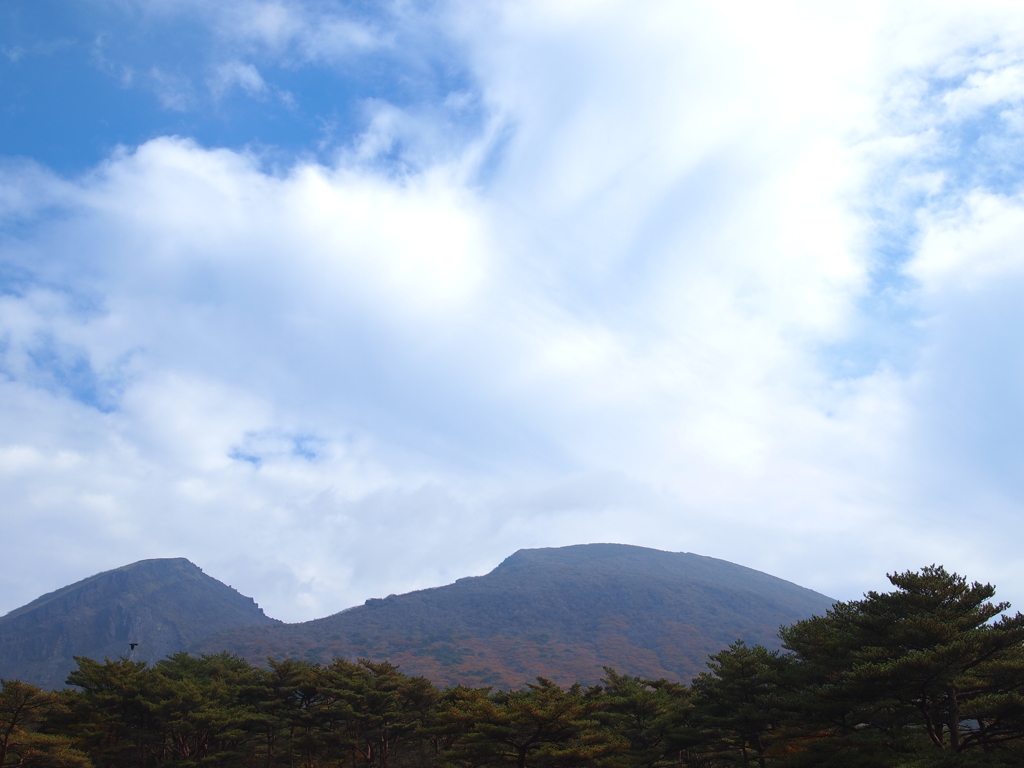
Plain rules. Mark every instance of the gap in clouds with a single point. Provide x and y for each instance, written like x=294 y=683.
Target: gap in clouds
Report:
x=956 y=127
x=296 y=80
x=569 y=279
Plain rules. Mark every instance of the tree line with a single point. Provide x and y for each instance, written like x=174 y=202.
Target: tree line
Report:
x=928 y=674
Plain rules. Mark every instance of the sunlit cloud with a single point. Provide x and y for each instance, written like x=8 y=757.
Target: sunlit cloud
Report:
x=725 y=278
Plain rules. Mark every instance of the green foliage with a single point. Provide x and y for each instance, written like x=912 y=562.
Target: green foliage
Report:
x=740 y=701
x=930 y=675
x=197 y=715
x=926 y=668
x=655 y=718
x=542 y=725
x=23 y=743
x=113 y=719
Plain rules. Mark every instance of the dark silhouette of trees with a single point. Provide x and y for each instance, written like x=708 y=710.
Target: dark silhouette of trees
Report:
x=739 y=702
x=929 y=674
x=653 y=717
x=926 y=667
x=24 y=741
x=542 y=725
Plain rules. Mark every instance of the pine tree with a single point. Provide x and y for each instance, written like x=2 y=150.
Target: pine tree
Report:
x=23 y=711
x=542 y=725
x=655 y=717
x=932 y=665
x=739 y=702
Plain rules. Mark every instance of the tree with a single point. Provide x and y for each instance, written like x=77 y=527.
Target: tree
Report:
x=653 y=716
x=23 y=709
x=115 y=711
x=739 y=702
x=932 y=665
x=198 y=715
x=540 y=726
x=288 y=707
x=377 y=714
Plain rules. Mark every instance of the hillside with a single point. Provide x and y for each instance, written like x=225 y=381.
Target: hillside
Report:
x=164 y=606
x=560 y=613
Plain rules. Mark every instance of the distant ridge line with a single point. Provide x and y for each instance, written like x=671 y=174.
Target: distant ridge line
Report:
x=558 y=612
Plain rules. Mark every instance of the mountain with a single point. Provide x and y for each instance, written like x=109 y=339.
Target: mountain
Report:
x=560 y=613
x=164 y=606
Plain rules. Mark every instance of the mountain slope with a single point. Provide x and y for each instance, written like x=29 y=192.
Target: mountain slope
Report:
x=164 y=606
x=560 y=613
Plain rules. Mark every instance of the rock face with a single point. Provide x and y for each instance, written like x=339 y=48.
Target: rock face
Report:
x=561 y=613
x=164 y=606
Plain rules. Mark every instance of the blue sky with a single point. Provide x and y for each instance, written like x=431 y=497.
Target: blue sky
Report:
x=344 y=299
x=81 y=79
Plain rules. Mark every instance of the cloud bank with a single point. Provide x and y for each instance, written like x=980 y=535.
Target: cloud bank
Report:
x=719 y=277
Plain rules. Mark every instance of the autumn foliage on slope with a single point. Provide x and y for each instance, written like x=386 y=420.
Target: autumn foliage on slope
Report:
x=562 y=613
x=930 y=674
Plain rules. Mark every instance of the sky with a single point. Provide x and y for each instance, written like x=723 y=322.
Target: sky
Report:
x=345 y=299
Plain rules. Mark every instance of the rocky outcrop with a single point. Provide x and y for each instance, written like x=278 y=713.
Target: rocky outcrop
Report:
x=161 y=606
x=560 y=613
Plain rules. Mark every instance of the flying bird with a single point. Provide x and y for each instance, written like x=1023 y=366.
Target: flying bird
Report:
x=132 y=645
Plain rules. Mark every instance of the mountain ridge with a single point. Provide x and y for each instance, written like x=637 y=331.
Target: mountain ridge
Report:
x=162 y=605
x=559 y=612
x=563 y=613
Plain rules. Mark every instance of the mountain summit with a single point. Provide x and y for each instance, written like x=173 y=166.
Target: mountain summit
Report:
x=161 y=606
x=562 y=613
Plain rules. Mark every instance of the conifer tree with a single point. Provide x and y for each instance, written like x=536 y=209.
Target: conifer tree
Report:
x=24 y=709
x=932 y=665
x=197 y=710
x=115 y=722
x=739 y=702
x=655 y=717
x=542 y=725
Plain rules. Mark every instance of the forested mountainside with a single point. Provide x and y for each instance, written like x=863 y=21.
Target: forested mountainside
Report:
x=164 y=606
x=562 y=613
x=928 y=675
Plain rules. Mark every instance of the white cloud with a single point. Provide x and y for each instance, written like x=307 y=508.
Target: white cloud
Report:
x=972 y=248
x=12 y=53
x=607 y=316
x=173 y=91
x=235 y=73
x=307 y=31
